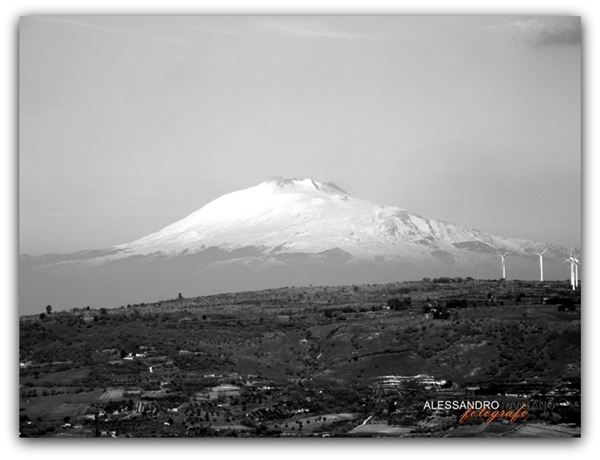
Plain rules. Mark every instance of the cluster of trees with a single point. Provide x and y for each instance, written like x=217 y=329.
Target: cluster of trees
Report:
x=446 y=280
x=564 y=303
x=440 y=313
x=399 y=304
x=457 y=303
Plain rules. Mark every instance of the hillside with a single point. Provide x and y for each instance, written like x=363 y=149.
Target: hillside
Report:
x=495 y=336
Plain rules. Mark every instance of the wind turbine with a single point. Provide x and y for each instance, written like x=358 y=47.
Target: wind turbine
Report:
x=542 y=264
x=576 y=262
x=572 y=260
x=503 y=266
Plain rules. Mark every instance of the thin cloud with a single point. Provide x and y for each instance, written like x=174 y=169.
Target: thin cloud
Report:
x=110 y=25
x=546 y=31
x=225 y=31
x=301 y=27
x=305 y=28
x=77 y=23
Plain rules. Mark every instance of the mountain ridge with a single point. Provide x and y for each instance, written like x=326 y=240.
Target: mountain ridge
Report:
x=305 y=215
x=279 y=233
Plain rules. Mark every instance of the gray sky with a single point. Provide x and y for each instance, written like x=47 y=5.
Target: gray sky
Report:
x=128 y=124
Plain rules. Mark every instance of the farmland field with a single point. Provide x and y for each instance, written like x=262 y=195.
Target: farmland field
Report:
x=314 y=361
x=380 y=428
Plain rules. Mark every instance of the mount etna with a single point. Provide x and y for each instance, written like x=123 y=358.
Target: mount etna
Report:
x=281 y=232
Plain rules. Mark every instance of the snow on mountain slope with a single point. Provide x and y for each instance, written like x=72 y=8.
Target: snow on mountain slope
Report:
x=291 y=215
x=282 y=232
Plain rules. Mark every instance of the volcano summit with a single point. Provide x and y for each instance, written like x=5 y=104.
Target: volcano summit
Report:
x=280 y=232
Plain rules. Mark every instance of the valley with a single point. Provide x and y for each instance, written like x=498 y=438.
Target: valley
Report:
x=329 y=361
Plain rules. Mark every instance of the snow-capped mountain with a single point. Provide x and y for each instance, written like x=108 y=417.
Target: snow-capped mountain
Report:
x=281 y=232
x=304 y=216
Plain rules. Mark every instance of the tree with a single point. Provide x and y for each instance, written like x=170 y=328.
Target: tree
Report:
x=49 y=309
x=394 y=303
x=440 y=313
